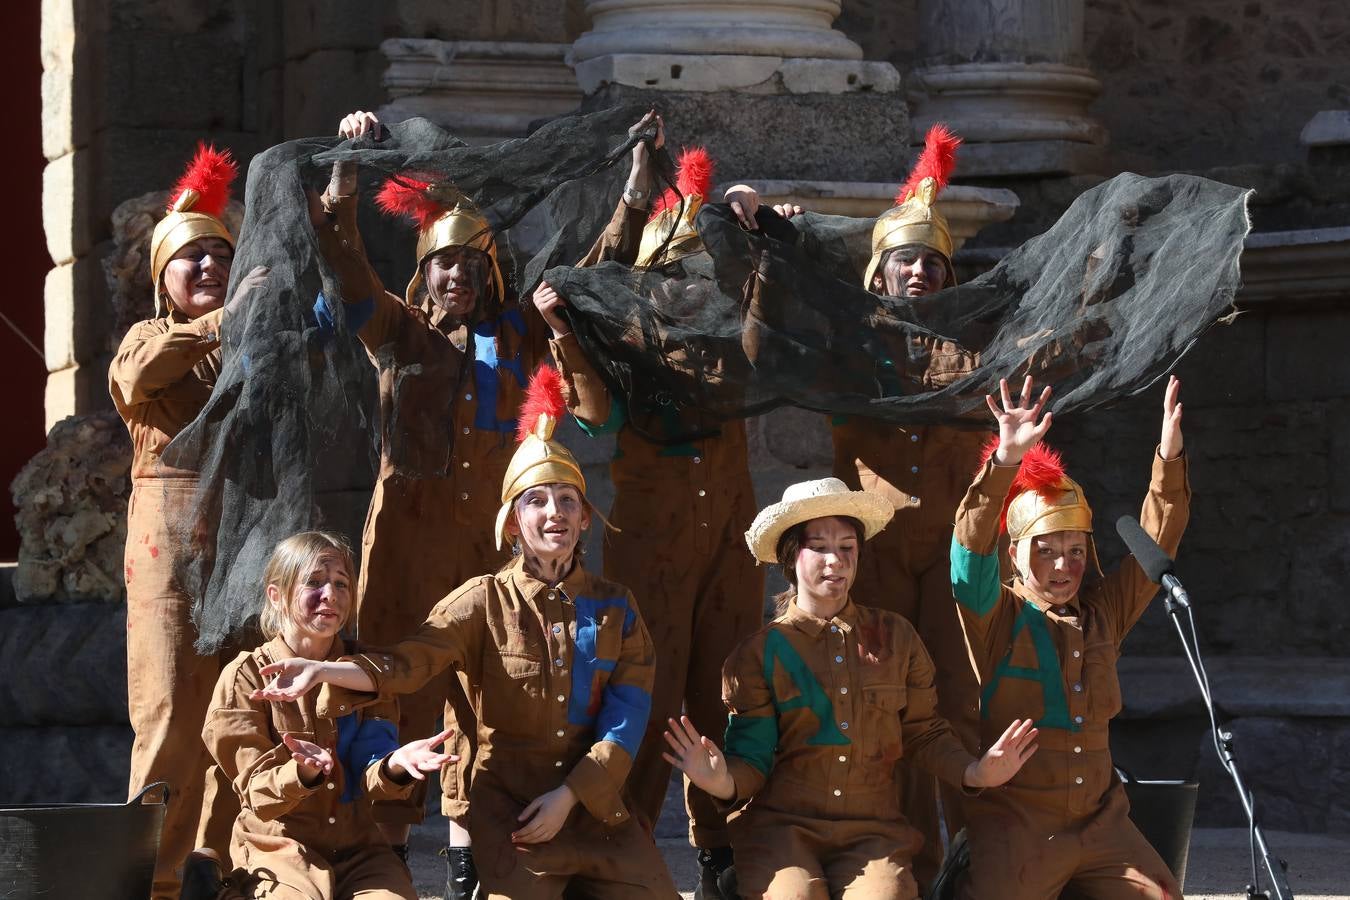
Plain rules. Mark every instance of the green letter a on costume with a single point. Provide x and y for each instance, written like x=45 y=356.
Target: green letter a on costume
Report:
x=777 y=651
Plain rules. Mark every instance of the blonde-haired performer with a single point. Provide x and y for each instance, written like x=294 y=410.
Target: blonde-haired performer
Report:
x=824 y=701
x=559 y=667
x=160 y=378
x=1046 y=645
x=306 y=772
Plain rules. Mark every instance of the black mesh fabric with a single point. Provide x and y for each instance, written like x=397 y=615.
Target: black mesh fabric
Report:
x=294 y=412
x=1100 y=306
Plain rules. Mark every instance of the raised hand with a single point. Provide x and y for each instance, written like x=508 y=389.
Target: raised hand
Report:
x=744 y=202
x=788 y=210
x=314 y=761
x=545 y=815
x=699 y=758
x=1018 y=430
x=355 y=124
x=1170 y=446
x=291 y=679
x=1005 y=758
x=416 y=757
x=548 y=301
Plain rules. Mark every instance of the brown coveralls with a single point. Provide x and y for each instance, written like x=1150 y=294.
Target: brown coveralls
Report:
x=923 y=470
x=160 y=379
x=1063 y=819
x=560 y=681
x=680 y=512
x=292 y=840
x=821 y=711
x=425 y=531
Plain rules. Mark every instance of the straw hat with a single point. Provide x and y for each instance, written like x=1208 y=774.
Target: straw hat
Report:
x=807 y=500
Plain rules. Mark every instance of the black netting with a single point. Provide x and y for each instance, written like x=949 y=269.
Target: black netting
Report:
x=1100 y=306
x=293 y=413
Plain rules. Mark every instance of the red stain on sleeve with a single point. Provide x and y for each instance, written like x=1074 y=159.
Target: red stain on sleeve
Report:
x=128 y=575
x=154 y=553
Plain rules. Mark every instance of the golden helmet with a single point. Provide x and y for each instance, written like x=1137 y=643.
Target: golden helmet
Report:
x=445 y=218
x=915 y=218
x=1044 y=500
x=539 y=459
x=673 y=213
x=197 y=202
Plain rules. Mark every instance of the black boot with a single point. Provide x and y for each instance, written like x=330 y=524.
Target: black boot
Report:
x=953 y=869
x=203 y=876
x=461 y=878
x=717 y=876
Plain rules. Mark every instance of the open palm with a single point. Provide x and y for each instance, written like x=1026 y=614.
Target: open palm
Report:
x=1018 y=429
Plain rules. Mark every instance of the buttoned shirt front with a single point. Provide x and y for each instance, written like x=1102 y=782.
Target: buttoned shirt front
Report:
x=560 y=676
x=822 y=710
x=1055 y=662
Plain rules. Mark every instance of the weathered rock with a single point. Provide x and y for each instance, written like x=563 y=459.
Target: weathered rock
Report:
x=63 y=665
x=65 y=764
x=127 y=267
x=72 y=504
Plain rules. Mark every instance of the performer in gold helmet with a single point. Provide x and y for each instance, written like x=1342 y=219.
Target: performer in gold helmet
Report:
x=161 y=376
x=452 y=356
x=559 y=668
x=679 y=511
x=1046 y=645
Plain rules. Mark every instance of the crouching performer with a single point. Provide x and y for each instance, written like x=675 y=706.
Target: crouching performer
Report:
x=559 y=668
x=1046 y=648
x=307 y=771
x=824 y=701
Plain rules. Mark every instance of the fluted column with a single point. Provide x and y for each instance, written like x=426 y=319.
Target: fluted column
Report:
x=1010 y=77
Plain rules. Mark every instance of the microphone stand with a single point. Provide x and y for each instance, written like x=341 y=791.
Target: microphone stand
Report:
x=1176 y=602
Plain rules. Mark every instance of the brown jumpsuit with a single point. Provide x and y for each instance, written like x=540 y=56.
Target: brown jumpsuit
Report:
x=160 y=379
x=1063 y=819
x=821 y=711
x=291 y=840
x=560 y=681
x=425 y=531
x=923 y=470
x=681 y=513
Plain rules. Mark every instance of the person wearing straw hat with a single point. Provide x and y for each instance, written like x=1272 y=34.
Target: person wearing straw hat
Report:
x=160 y=378
x=1046 y=645
x=824 y=700
x=560 y=669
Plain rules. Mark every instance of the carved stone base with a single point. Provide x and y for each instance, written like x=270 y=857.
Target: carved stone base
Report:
x=749 y=74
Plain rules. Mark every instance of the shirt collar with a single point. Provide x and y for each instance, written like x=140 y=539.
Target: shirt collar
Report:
x=277 y=649
x=530 y=587
x=806 y=623
x=1021 y=589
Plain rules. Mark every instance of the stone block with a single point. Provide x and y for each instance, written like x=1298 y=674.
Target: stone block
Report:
x=728 y=72
x=47 y=654
x=1338 y=428
x=1305 y=357
x=154 y=79
x=311 y=27
x=77 y=390
x=65 y=764
x=979 y=160
x=68 y=109
x=67 y=205
x=826 y=137
x=796 y=437
x=75 y=313
x=1228 y=365
x=326 y=85
x=1329 y=128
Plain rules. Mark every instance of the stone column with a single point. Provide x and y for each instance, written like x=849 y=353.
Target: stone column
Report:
x=1009 y=76
x=769 y=86
x=480 y=91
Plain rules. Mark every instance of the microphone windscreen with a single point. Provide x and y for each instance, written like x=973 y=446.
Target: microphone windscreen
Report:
x=1147 y=553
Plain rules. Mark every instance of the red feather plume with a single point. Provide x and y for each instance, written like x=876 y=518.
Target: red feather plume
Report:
x=410 y=196
x=210 y=174
x=1041 y=470
x=693 y=175
x=543 y=395
x=937 y=161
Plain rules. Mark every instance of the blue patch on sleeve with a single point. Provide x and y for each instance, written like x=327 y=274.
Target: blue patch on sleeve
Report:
x=623 y=716
x=618 y=713
x=355 y=314
x=489 y=369
x=360 y=744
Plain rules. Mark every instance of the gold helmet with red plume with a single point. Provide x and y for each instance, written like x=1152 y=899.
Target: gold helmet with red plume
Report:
x=914 y=219
x=539 y=459
x=693 y=178
x=445 y=218
x=1043 y=500
x=196 y=205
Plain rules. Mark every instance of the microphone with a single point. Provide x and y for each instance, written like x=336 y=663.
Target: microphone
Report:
x=1156 y=564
